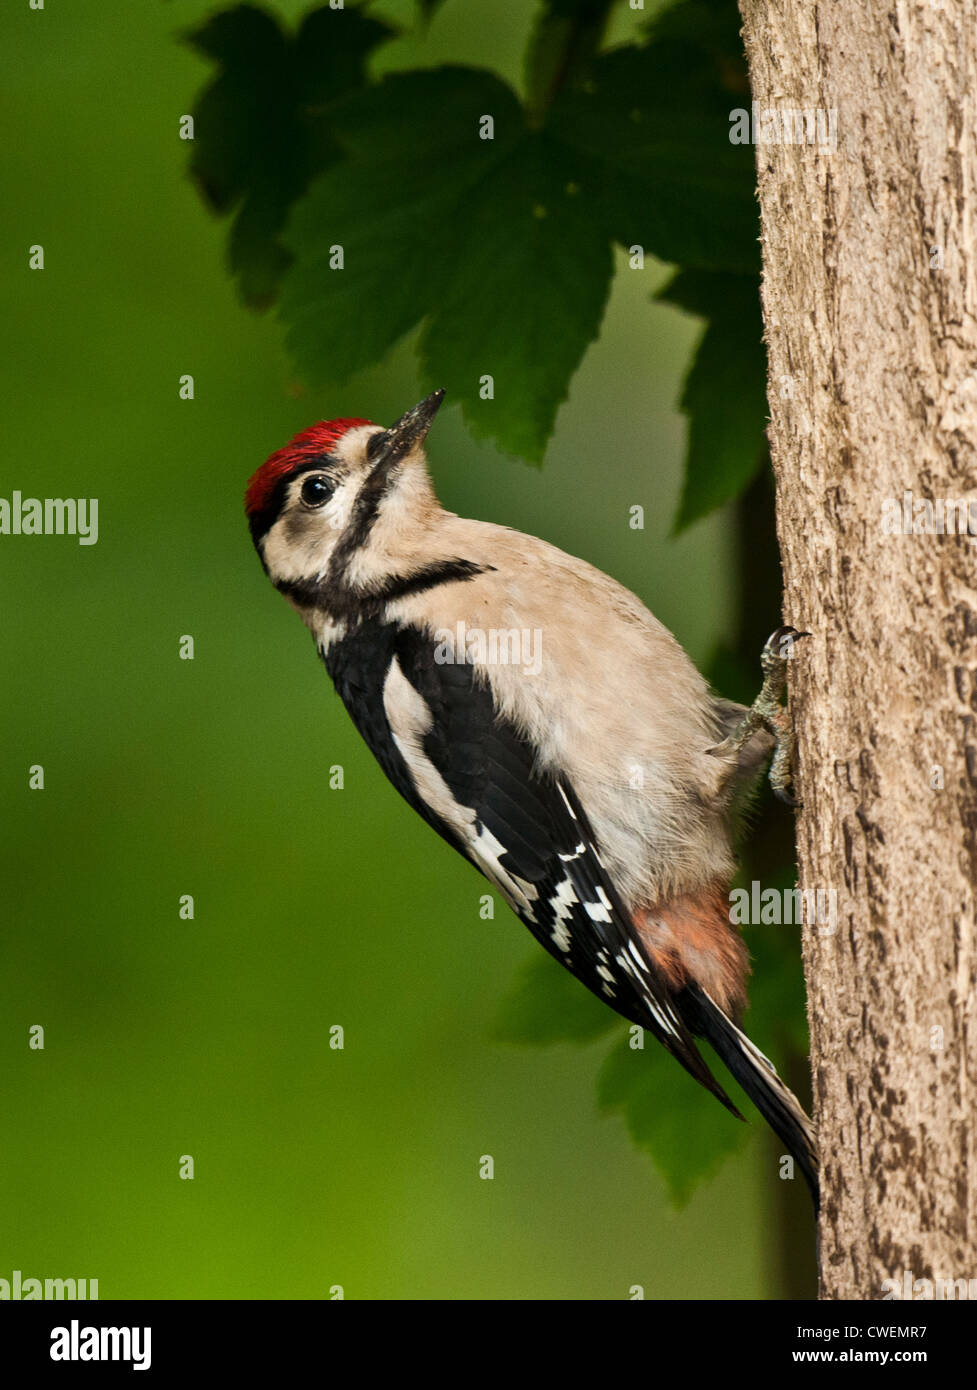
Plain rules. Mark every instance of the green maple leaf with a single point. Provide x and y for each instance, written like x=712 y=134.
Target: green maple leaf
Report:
x=681 y=1127
x=261 y=125
x=725 y=391
x=653 y=123
x=489 y=241
x=684 y=1130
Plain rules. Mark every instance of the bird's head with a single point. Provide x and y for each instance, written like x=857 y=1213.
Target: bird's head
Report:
x=332 y=511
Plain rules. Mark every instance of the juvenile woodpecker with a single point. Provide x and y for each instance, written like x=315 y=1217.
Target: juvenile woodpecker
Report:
x=591 y=786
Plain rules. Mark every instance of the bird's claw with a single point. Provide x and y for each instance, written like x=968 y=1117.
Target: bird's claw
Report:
x=777 y=652
x=779 y=648
x=767 y=712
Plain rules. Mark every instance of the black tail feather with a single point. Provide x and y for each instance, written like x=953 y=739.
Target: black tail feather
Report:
x=758 y=1077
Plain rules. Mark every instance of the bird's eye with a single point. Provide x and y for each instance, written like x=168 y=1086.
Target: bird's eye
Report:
x=316 y=491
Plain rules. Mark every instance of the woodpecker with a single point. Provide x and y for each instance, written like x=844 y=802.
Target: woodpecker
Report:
x=591 y=784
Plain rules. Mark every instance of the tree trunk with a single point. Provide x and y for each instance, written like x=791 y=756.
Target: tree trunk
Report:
x=870 y=306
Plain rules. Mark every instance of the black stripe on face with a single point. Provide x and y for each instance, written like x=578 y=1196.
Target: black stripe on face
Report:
x=385 y=451
x=431 y=577
x=363 y=516
x=341 y=602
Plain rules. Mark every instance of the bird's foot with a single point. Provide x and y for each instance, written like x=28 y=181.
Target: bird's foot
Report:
x=767 y=712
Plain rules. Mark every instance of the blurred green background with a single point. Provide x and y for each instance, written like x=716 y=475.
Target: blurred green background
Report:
x=164 y=1037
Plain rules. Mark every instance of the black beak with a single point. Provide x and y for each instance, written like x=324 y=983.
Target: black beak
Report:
x=389 y=448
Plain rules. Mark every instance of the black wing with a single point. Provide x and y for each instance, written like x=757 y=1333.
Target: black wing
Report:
x=524 y=830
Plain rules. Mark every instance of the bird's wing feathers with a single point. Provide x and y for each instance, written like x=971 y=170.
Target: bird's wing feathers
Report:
x=526 y=832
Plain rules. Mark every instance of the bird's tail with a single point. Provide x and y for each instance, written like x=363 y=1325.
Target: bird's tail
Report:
x=758 y=1077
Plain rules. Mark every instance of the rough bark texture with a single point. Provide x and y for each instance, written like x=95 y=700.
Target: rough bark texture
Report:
x=870 y=305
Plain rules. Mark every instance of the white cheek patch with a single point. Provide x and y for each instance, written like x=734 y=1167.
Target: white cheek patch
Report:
x=287 y=558
x=337 y=511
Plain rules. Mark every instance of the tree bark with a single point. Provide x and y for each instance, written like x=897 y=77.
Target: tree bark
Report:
x=870 y=308
x=764 y=852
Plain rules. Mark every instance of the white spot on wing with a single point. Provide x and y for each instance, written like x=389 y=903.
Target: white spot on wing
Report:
x=597 y=912
x=639 y=958
x=562 y=903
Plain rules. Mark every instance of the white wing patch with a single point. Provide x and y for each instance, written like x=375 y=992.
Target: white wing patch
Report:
x=410 y=718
